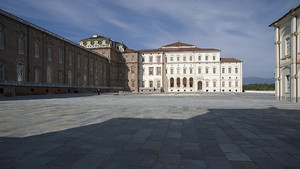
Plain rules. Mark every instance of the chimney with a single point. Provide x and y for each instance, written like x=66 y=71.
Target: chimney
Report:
x=95 y=35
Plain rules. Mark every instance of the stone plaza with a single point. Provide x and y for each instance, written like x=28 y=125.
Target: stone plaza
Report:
x=145 y=131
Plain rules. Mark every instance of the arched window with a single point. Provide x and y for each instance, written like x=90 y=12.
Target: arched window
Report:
x=20 y=72
x=49 y=74
x=172 y=82
x=191 y=82
x=178 y=82
x=184 y=82
x=70 y=77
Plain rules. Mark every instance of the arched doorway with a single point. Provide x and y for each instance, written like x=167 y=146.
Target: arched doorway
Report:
x=199 y=85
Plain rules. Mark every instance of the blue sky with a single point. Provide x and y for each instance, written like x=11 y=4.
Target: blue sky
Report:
x=239 y=28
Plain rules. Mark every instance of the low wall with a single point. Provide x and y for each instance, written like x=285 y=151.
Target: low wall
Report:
x=258 y=91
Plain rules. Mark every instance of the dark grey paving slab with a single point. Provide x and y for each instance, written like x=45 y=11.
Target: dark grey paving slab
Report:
x=193 y=164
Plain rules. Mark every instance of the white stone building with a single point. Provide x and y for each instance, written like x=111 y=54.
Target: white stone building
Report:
x=287 y=53
x=181 y=67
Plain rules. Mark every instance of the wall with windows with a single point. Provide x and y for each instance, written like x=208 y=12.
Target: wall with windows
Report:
x=151 y=71
x=287 y=56
x=33 y=60
x=132 y=71
x=190 y=70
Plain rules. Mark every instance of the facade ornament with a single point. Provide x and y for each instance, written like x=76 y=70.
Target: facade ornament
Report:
x=296 y=76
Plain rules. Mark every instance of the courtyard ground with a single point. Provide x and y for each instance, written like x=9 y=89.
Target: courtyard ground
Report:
x=141 y=131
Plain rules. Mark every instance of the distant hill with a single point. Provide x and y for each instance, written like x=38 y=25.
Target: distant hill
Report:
x=257 y=80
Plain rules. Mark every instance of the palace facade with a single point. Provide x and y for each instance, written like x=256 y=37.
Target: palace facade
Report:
x=182 y=67
x=36 y=61
x=287 y=56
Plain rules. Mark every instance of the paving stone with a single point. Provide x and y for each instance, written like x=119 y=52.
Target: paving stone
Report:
x=143 y=160
x=193 y=164
x=230 y=148
x=243 y=165
x=217 y=163
x=237 y=157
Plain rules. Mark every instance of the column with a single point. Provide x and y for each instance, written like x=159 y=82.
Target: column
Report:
x=277 y=64
x=294 y=59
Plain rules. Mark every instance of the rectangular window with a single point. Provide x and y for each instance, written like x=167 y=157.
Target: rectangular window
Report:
x=236 y=84
x=178 y=71
x=206 y=57
x=158 y=84
x=1 y=38
x=143 y=83
x=1 y=72
x=199 y=70
x=132 y=70
x=191 y=58
x=184 y=71
x=287 y=84
x=215 y=84
x=236 y=70
x=36 y=49
x=86 y=62
x=229 y=70
x=150 y=70
x=207 y=84
x=78 y=61
x=60 y=77
x=214 y=57
x=150 y=59
x=132 y=58
x=49 y=54
x=191 y=70
x=171 y=58
x=96 y=65
x=20 y=44
x=287 y=46
x=37 y=75
x=199 y=57
x=214 y=70
x=70 y=59
x=206 y=70
x=150 y=83
x=223 y=84
x=184 y=58
x=158 y=71
x=172 y=71
x=158 y=59
x=132 y=83
x=229 y=84
x=223 y=70
x=177 y=58
x=60 y=55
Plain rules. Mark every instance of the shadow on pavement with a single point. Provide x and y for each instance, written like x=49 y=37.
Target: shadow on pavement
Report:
x=221 y=138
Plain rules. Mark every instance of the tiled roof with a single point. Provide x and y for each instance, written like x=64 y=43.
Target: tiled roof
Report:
x=290 y=12
x=128 y=50
x=230 y=60
x=177 y=49
x=177 y=44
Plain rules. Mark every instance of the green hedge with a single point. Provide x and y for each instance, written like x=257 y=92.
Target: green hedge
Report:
x=262 y=87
